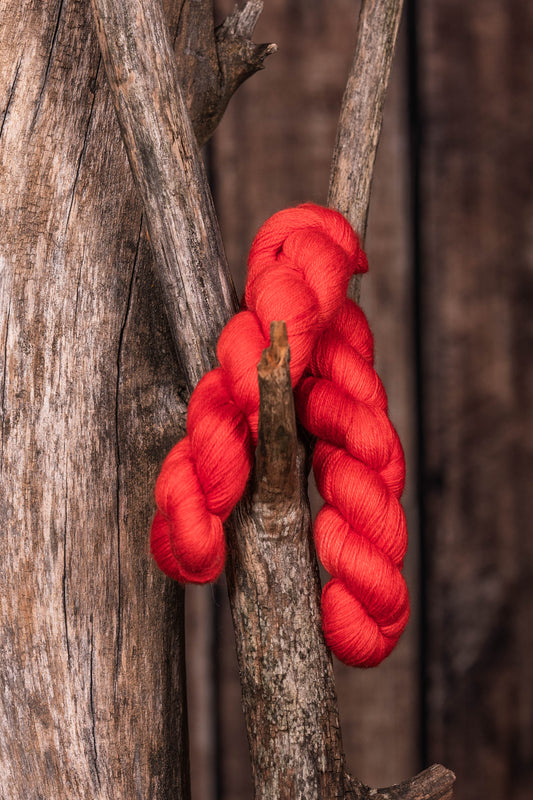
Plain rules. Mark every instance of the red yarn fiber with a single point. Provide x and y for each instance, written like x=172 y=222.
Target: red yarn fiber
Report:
x=360 y=533
x=298 y=270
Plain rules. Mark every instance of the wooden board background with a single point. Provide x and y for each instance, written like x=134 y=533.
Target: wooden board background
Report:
x=450 y=302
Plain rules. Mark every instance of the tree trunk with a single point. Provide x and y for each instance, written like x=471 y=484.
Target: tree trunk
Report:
x=91 y=659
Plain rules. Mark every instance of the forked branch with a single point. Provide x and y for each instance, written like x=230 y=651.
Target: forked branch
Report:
x=288 y=690
x=143 y=76
x=213 y=62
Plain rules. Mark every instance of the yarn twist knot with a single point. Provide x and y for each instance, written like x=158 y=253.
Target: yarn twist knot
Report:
x=298 y=270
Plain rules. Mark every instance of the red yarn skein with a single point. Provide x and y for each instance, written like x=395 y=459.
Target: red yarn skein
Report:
x=360 y=533
x=298 y=270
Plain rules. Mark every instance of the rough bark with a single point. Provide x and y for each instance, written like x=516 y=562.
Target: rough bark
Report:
x=92 y=654
x=362 y=113
x=144 y=80
x=286 y=672
x=170 y=177
x=92 y=700
x=213 y=62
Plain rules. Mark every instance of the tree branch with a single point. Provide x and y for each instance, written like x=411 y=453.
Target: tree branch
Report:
x=361 y=115
x=143 y=77
x=434 y=783
x=286 y=673
x=212 y=63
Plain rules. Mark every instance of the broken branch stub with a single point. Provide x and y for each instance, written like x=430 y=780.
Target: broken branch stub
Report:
x=214 y=62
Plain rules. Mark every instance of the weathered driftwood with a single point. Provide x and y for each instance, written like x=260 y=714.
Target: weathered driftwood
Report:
x=91 y=643
x=288 y=691
x=361 y=115
x=213 y=62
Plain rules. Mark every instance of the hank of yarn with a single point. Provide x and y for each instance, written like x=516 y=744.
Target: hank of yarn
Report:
x=360 y=533
x=298 y=270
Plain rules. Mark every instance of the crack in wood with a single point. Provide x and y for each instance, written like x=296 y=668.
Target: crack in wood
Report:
x=4 y=380
x=82 y=152
x=11 y=95
x=48 y=66
x=118 y=642
x=64 y=581
x=92 y=706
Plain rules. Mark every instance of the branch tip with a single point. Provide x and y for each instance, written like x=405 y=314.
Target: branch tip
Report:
x=278 y=354
x=242 y=21
x=434 y=783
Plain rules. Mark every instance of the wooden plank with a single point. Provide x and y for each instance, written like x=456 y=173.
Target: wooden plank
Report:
x=476 y=200
x=92 y=698
x=274 y=149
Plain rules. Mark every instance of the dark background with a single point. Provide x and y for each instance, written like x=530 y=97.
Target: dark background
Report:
x=449 y=296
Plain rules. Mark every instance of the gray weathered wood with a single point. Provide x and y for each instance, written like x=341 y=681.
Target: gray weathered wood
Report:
x=170 y=177
x=213 y=62
x=286 y=672
x=362 y=110
x=90 y=401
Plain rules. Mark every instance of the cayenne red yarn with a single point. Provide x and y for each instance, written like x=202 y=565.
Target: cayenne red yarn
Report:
x=298 y=270
x=360 y=533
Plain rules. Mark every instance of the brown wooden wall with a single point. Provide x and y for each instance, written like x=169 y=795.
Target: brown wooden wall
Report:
x=449 y=296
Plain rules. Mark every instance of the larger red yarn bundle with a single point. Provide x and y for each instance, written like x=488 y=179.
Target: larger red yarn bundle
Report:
x=298 y=270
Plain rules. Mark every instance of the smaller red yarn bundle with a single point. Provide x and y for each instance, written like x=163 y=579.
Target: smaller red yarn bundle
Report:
x=299 y=267
x=360 y=533
x=298 y=271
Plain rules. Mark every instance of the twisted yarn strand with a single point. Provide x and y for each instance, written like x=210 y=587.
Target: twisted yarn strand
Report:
x=360 y=533
x=298 y=271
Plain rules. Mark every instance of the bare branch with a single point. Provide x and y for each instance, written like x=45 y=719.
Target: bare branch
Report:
x=361 y=114
x=212 y=63
x=286 y=672
x=434 y=783
x=184 y=234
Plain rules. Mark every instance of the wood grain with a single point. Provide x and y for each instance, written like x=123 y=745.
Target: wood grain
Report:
x=214 y=61
x=170 y=177
x=475 y=206
x=92 y=704
x=359 y=126
x=286 y=673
